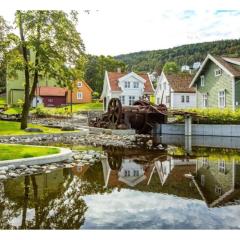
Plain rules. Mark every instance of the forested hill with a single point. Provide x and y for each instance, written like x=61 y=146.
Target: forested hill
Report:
x=182 y=55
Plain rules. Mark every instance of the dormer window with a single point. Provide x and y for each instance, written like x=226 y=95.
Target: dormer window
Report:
x=202 y=78
x=218 y=72
x=127 y=84
x=79 y=84
x=135 y=84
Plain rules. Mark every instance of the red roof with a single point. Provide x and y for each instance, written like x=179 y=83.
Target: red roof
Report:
x=114 y=77
x=51 y=91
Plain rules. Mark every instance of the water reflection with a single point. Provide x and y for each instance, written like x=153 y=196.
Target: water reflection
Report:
x=89 y=196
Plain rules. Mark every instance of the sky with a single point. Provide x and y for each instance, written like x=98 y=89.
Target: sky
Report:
x=121 y=26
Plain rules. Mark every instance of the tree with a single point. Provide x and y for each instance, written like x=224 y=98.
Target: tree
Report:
x=48 y=44
x=171 y=67
x=4 y=31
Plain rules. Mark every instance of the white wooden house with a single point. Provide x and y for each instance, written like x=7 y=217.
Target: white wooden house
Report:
x=173 y=91
x=128 y=87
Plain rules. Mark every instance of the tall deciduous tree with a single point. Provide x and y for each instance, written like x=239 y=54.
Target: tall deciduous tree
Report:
x=171 y=68
x=49 y=45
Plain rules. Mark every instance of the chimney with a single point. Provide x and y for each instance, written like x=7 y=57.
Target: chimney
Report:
x=119 y=70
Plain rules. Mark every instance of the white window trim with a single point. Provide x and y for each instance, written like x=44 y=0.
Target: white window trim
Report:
x=222 y=166
x=182 y=99
x=127 y=84
x=79 y=84
x=135 y=85
x=202 y=78
x=188 y=97
x=204 y=97
x=79 y=94
x=224 y=102
x=218 y=72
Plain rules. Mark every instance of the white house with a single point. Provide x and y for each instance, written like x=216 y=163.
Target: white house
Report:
x=173 y=91
x=128 y=87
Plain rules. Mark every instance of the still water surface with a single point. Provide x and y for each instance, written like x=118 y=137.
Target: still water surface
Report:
x=132 y=189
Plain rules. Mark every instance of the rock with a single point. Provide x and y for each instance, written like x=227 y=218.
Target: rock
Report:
x=52 y=167
x=33 y=130
x=48 y=171
x=67 y=128
x=3 y=168
x=68 y=166
x=36 y=167
x=92 y=160
x=11 y=167
x=13 y=175
x=87 y=157
x=22 y=167
x=2 y=172
x=3 y=177
x=149 y=143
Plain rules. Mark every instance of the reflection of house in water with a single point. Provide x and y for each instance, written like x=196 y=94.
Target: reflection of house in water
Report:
x=218 y=181
x=161 y=175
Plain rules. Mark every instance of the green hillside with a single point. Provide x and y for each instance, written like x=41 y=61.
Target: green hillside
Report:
x=185 y=54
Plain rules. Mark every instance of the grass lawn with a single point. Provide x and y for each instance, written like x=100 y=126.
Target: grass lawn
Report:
x=2 y=101
x=13 y=128
x=10 y=152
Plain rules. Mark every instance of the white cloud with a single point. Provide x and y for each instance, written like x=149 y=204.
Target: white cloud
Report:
x=116 y=27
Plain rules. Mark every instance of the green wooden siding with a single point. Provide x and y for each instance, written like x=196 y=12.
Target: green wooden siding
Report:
x=237 y=92
x=213 y=85
x=18 y=83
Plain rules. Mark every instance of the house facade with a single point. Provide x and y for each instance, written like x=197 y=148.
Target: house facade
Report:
x=217 y=83
x=173 y=91
x=81 y=93
x=128 y=87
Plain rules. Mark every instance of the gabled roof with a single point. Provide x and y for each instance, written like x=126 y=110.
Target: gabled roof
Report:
x=85 y=83
x=180 y=82
x=115 y=76
x=50 y=91
x=229 y=65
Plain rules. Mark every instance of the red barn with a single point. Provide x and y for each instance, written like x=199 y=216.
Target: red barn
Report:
x=51 y=96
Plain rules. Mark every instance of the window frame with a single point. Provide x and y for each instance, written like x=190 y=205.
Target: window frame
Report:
x=131 y=100
x=122 y=99
x=218 y=72
x=187 y=99
x=202 y=79
x=135 y=84
x=127 y=84
x=78 y=98
x=205 y=98
x=182 y=99
x=222 y=99
x=79 y=84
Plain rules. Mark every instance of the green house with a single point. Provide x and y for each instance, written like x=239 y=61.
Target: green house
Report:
x=217 y=83
x=15 y=84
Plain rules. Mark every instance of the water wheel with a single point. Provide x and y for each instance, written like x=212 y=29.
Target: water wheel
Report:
x=114 y=112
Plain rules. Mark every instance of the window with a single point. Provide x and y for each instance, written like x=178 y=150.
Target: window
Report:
x=205 y=100
x=79 y=84
x=165 y=86
x=127 y=173
x=202 y=81
x=221 y=99
x=205 y=162
x=135 y=173
x=187 y=99
x=50 y=100
x=182 y=99
x=218 y=72
x=167 y=99
x=131 y=100
x=122 y=99
x=218 y=190
x=135 y=84
x=127 y=84
x=79 y=95
x=221 y=166
x=202 y=180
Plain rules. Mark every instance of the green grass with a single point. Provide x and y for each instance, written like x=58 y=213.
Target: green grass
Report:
x=13 y=128
x=10 y=152
x=13 y=110
x=215 y=115
x=2 y=101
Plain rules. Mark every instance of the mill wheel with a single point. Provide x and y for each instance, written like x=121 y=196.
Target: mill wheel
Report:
x=114 y=111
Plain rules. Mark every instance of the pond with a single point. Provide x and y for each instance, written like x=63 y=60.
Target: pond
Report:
x=178 y=186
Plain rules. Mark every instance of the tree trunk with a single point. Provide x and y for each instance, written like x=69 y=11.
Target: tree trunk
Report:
x=26 y=104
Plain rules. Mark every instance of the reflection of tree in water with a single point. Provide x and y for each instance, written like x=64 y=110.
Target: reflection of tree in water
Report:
x=64 y=209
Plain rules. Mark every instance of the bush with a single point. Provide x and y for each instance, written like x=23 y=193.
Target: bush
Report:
x=214 y=116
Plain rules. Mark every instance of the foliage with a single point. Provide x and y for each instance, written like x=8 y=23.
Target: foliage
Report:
x=2 y=101
x=95 y=68
x=10 y=151
x=182 y=55
x=13 y=128
x=214 y=115
x=171 y=68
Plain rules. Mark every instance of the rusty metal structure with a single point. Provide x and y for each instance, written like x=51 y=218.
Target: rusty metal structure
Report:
x=141 y=116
